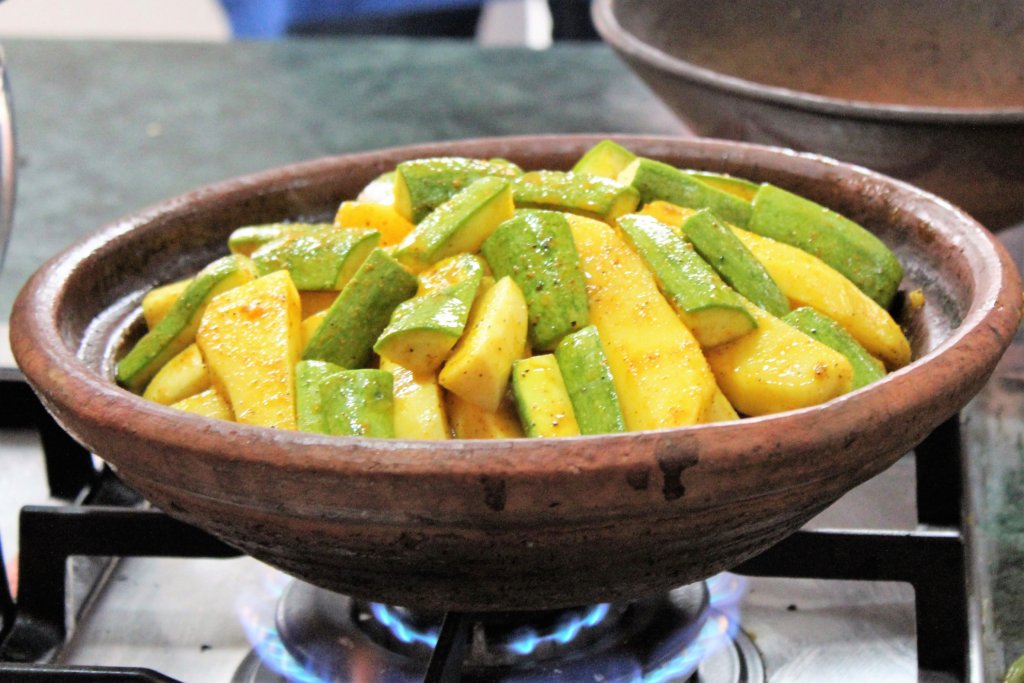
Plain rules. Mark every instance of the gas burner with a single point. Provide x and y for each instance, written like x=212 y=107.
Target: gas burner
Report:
x=311 y=635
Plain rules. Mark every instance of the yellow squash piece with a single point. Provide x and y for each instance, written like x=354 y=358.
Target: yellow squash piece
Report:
x=470 y=421
x=418 y=404
x=380 y=217
x=250 y=337
x=660 y=374
x=209 y=403
x=808 y=281
x=776 y=367
x=159 y=300
x=184 y=375
x=480 y=365
x=545 y=409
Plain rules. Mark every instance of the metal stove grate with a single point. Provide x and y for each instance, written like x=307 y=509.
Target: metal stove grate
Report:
x=103 y=518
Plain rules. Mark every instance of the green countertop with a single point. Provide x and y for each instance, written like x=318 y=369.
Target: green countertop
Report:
x=104 y=129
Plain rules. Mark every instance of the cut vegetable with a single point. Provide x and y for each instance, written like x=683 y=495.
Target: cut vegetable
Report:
x=380 y=217
x=741 y=187
x=422 y=185
x=358 y=403
x=419 y=404
x=314 y=302
x=866 y=368
x=588 y=381
x=355 y=320
x=713 y=312
x=470 y=421
x=606 y=159
x=380 y=190
x=479 y=367
x=250 y=339
x=424 y=329
x=589 y=195
x=535 y=248
x=177 y=329
x=776 y=367
x=809 y=281
x=324 y=260
x=853 y=251
x=208 y=403
x=459 y=225
x=660 y=374
x=183 y=376
x=310 y=376
x=717 y=244
x=658 y=181
x=158 y=301
x=245 y=241
x=541 y=398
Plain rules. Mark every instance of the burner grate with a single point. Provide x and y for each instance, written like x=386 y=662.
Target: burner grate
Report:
x=104 y=520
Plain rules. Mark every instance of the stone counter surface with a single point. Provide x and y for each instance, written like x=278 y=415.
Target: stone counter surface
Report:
x=104 y=129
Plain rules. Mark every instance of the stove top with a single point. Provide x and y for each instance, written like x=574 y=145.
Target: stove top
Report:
x=863 y=593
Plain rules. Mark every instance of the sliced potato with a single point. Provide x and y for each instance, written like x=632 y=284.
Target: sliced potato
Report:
x=209 y=403
x=183 y=376
x=250 y=338
x=481 y=362
x=659 y=371
x=419 y=404
x=470 y=421
x=159 y=300
x=776 y=367
x=380 y=217
x=808 y=281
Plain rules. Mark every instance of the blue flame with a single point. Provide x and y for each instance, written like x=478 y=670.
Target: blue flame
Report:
x=402 y=630
x=529 y=640
x=267 y=643
x=725 y=592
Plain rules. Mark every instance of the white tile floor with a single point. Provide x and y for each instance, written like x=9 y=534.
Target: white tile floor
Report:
x=504 y=22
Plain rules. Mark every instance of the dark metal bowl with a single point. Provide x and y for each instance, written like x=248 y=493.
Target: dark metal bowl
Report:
x=930 y=91
x=519 y=523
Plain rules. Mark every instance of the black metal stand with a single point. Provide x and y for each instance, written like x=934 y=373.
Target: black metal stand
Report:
x=38 y=627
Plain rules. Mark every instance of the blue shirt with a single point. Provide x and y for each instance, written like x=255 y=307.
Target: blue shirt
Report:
x=272 y=18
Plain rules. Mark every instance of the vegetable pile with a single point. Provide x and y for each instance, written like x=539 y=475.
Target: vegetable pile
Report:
x=466 y=298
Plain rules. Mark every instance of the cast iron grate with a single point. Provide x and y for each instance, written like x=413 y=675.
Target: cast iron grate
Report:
x=101 y=519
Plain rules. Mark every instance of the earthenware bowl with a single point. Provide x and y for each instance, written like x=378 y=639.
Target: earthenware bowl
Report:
x=507 y=524
x=930 y=92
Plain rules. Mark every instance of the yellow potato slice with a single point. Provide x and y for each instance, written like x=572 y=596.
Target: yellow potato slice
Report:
x=470 y=421
x=380 y=217
x=209 y=403
x=184 y=375
x=776 y=367
x=419 y=404
x=659 y=371
x=250 y=337
x=808 y=281
x=480 y=365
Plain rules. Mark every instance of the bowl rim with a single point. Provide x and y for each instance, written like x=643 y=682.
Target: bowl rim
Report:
x=611 y=30
x=62 y=377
